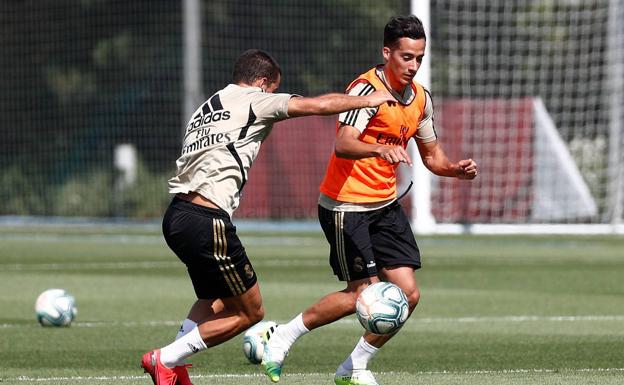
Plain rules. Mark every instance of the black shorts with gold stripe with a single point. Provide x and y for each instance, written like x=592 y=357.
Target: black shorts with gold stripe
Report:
x=362 y=243
x=205 y=240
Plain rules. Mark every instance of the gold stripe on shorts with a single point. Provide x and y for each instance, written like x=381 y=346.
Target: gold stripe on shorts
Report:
x=225 y=263
x=229 y=265
x=340 y=246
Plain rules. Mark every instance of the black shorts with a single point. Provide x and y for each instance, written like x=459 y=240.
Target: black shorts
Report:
x=363 y=242
x=206 y=241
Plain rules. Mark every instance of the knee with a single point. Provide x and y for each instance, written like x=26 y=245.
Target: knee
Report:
x=257 y=315
x=251 y=317
x=352 y=294
x=351 y=300
x=413 y=297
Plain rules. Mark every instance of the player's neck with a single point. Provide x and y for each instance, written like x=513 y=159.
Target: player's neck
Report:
x=392 y=84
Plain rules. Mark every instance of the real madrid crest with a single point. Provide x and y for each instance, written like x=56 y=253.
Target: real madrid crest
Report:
x=358 y=264
x=249 y=271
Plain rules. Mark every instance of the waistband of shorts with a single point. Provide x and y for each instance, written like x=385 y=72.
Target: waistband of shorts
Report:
x=197 y=209
x=387 y=207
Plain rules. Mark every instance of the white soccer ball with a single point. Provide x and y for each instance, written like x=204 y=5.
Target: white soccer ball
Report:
x=382 y=308
x=253 y=345
x=55 y=307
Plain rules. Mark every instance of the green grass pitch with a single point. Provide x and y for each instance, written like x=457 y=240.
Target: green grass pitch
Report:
x=494 y=310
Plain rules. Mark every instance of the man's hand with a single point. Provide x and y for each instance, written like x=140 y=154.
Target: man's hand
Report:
x=380 y=97
x=466 y=169
x=394 y=154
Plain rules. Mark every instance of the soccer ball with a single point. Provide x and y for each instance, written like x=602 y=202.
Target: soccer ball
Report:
x=382 y=308
x=253 y=345
x=55 y=307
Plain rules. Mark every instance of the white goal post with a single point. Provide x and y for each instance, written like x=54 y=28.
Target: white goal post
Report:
x=570 y=179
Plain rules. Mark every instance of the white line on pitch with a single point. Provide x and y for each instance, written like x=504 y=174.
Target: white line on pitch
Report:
x=430 y=320
x=525 y=318
x=151 y=239
x=90 y=265
x=173 y=263
x=254 y=375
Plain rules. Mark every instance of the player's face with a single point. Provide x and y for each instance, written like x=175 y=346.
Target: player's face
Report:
x=403 y=61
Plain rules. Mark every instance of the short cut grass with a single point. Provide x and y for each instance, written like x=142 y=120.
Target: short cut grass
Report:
x=512 y=310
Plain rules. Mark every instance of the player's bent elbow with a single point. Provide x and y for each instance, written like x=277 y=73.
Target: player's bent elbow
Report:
x=429 y=165
x=341 y=150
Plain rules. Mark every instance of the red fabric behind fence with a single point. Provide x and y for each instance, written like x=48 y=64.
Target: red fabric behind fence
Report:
x=498 y=134
x=284 y=180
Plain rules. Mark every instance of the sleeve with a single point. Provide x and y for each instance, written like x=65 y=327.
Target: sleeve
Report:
x=269 y=106
x=359 y=118
x=426 y=132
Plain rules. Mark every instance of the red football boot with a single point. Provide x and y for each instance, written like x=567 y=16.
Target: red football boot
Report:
x=161 y=375
x=182 y=373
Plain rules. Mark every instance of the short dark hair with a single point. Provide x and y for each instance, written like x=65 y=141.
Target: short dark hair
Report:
x=254 y=64
x=403 y=26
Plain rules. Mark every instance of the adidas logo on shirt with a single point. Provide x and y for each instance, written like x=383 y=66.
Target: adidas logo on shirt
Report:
x=211 y=112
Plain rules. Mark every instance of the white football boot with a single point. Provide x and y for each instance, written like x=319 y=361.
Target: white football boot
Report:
x=354 y=377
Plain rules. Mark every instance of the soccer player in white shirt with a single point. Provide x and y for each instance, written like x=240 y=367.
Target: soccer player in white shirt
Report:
x=221 y=141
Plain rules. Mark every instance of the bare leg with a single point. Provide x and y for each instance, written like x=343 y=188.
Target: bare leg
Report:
x=326 y=310
x=222 y=319
x=354 y=367
x=403 y=277
x=335 y=306
x=204 y=308
x=237 y=314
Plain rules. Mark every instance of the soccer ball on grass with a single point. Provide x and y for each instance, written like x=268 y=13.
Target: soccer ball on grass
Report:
x=382 y=308
x=55 y=307
x=253 y=346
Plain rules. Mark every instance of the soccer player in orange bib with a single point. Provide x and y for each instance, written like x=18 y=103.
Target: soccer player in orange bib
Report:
x=369 y=234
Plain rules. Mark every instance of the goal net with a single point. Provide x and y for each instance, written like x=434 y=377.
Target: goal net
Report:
x=532 y=90
x=94 y=93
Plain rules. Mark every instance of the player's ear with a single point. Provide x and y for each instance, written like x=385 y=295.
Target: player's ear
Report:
x=385 y=52
x=262 y=83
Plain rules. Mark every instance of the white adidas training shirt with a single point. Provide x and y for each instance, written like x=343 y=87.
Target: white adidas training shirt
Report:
x=222 y=140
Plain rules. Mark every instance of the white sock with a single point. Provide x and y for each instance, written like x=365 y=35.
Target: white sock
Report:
x=176 y=352
x=361 y=354
x=187 y=326
x=285 y=336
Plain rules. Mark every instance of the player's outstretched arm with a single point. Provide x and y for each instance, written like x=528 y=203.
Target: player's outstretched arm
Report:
x=330 y=104
x=436 y=161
